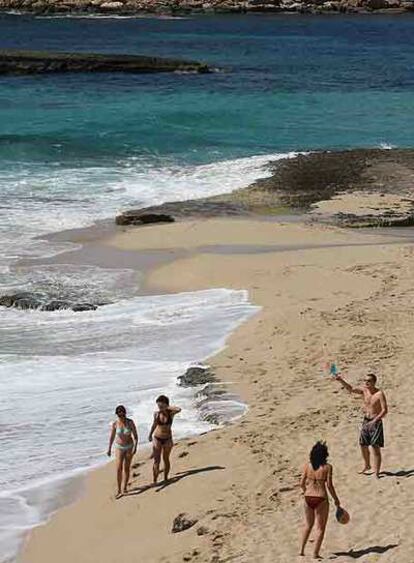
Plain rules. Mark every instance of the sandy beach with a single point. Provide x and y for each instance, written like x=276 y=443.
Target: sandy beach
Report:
x=324 y=293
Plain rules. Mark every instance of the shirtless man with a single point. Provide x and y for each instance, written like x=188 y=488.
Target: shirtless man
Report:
x=372 y=432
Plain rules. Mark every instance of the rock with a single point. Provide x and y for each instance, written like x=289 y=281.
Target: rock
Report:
x=202 y=531
x=196 y=375
x=133 y=217
x=28 y=300
x=111 y=6
x=41 y=62
x=377 y=4
x=182 y=522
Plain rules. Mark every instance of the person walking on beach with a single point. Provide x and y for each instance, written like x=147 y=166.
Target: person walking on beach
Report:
x=125 y=435
x=161 y=435
x=372 y=431
x=316 y=477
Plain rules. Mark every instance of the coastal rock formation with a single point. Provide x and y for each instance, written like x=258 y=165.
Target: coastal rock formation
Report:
x=137 y=217
x=182 y=7
x=30 y=300
x=35 y=62
x=196 y=375
x=299 y=185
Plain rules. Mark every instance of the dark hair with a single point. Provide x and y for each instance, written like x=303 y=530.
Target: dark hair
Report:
x=319 y=455
x=373 y=377
x=163 y=399
x=120 y=410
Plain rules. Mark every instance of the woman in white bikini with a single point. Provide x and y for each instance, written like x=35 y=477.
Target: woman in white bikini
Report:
x=316 y=477
x=125 y=435
x=161 y=435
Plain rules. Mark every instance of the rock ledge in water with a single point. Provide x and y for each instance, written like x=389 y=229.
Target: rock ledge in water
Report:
x=27 y=300
x=44 y=62
x=196 y=375
x=133 y=217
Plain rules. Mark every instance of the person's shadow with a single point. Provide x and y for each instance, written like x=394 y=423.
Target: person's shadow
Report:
x=356 y=554
x=401 y=473
x=180 y=475
x=183 y=474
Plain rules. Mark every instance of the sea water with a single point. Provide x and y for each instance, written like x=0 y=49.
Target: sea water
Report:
x=78 y=148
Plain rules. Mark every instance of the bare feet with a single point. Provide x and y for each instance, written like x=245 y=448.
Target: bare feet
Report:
x=118 y=495
x=365 y=471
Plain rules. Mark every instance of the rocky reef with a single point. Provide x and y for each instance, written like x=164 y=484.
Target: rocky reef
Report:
x=34 y=300
x=183 y=7
x=353 y=188
x=35 y=62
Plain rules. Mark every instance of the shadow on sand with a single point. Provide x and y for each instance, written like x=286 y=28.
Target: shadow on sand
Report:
x=184 y=474
x=181 y=475
x=356 y=554
x=401 y=473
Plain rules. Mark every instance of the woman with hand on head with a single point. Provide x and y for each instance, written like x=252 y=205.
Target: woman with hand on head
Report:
x=316 y=478
x=125 y=435
x=161 y=435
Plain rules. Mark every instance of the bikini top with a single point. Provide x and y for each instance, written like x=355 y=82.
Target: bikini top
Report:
x=315 y=479
x=121 y=430
x=167 y=418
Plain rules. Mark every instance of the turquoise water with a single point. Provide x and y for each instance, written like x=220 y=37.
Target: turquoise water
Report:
x=77 y=148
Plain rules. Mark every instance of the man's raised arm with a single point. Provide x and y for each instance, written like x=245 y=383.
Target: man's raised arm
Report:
x=348 y=387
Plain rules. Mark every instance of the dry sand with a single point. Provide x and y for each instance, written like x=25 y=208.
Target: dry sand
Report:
x=350 y=302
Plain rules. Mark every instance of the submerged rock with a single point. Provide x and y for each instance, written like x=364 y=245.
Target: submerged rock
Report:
x=196 y=375
x=133 y=217
x=44 y=62
x=31 y=300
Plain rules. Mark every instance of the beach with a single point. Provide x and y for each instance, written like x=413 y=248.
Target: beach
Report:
x=324 y=293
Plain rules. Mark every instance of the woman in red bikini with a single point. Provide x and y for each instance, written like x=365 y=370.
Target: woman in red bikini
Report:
x=316 y=478
x=161 y=435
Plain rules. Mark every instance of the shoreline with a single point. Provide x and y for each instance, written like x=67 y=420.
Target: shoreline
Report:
x=116 y=9
x=219 y=445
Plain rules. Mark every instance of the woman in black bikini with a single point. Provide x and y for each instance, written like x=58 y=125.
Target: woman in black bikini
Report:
x=161 y=436
x=316 y=477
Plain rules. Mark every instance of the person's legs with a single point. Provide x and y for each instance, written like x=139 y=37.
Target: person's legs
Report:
x=377 y=459
x=127 y=467
x=119 y=465
x=166 y=452
x=366 y=458
x=156 y=454
x=321 y=517
x=309 y=520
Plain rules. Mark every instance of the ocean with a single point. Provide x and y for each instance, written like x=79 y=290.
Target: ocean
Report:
x=75 y=149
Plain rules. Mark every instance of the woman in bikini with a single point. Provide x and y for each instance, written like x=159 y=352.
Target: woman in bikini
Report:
x=161 y=436
x=316 y=478
x=125 y=435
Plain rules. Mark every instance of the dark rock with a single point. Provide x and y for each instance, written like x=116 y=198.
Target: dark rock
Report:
x=133 y=217
x=35 y=62
x=183 y=522
x=196 y=375
x=28 y=300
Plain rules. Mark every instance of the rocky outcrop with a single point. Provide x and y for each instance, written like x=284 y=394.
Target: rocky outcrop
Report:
x=196 y=375
x=137 y=217
x=35 y=62
x=31 y=300
x=296 y=185
x=180 y=7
